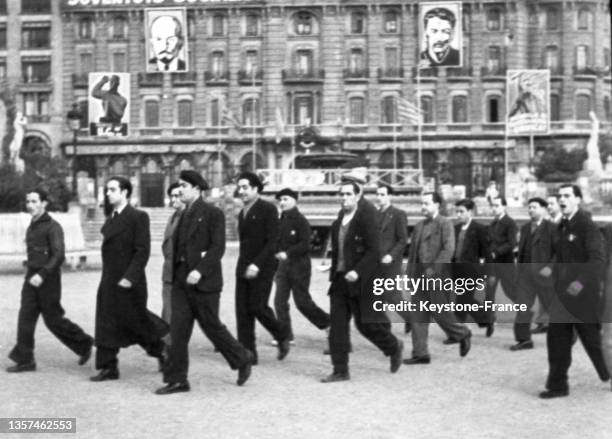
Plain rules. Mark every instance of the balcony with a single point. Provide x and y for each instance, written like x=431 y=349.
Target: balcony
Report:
x=428 y=74
x=554 y=70
x=311 y=76
x=80 y=80
x=32 y=79
x=585 y=72
x=356 y=75
x=184 y=78
x=459 y=73
x=39 y=118
x=493 y=73
x=153 y=79
x=394 y=74
x=216 y=78
x=248 y=78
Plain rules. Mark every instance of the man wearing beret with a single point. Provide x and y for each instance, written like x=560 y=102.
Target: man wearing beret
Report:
x=258 y=225
x=199 y=246
x=294 y=268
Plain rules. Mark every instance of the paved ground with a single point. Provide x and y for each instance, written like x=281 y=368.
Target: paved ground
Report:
x=489 y=394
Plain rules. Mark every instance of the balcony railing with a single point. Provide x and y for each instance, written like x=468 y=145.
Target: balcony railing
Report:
x=459 y=72
x=247 y=77
x=294 y=75
x=554 y=70
x=430 y=73
x=80 y=80
x=42 y=79
x=152 y=79
x=493 y=72
x=184 y=78
x=390 y=74
x=585 y=71
x=356 y=74
x=216 y=78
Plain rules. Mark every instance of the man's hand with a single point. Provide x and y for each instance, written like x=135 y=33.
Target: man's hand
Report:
x=351 y=276
x=36 y=280
x=387 y=259
x=574 y=288
x=545 y=272
x=124 y=283
x=281 y=256
x=252 y=271
x=194 y=277
x=104 y=79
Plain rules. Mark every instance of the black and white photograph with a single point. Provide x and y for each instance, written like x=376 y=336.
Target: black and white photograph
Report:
x=440 y=34
x=332 y=219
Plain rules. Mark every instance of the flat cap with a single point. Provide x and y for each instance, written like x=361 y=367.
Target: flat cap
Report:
x=288 y=192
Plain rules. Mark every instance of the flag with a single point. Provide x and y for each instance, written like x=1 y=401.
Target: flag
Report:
x=280 y=125
x=228 y=118
x=408 y=112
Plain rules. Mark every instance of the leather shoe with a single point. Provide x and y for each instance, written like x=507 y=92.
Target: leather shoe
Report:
x=450 y=341
x=548 y=394
x=244 y=372
x=465 y=344
x=105 y=375
x=173 y=388
x=540 y=328
x=396 y=358
x=22 y=367
x=283 y=349
x=490 y=329
x=425 y=359
x=85 y=357
x=521 y=345
x=336 y=377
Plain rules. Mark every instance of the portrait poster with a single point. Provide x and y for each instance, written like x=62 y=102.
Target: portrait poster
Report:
x=440 y=34
x=166 y=40
x=528 y=102
x=108 y=103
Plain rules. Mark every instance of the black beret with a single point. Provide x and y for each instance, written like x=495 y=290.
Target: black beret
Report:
x=542 y=202
x=194 y=178
x=288 y=192
x=253 y=179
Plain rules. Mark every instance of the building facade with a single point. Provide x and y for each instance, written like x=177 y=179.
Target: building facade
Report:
x=30 y=74
x=257 y=72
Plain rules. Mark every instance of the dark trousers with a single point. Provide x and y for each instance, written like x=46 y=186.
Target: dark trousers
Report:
x=106 y=356
x=252 y=297
x=528 y=288
x=45 y=300
x=295 y=276
x=190 y=305
x=342 y=307
x=559 y=341
x=506 y=274
x=466 y=270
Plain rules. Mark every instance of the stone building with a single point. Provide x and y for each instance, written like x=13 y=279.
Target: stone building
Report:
x=339 y=66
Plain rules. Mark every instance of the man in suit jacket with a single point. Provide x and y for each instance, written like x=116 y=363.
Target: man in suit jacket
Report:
x=393 y=240
x=471 y=251
x=577 y=275
x=535 y=258
x=122 y=318
x=199 y=246
x=174 y=193
x=431 y=250
x=355 y=264
x=294 y=267
x=258 y=225
x=502 y=241
x=42 y=289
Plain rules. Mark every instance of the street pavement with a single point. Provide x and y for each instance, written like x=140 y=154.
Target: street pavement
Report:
x=491 y=393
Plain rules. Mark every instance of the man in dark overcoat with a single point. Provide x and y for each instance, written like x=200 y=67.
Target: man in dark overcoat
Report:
x=122 y=318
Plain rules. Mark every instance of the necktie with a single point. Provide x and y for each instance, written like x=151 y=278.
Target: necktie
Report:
x=115 y=214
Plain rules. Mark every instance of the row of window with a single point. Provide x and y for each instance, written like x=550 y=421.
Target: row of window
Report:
x=304 y=108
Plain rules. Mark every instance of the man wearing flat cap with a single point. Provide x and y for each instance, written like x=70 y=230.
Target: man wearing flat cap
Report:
x=197 y=283
x=258 y=227
x=294 y=268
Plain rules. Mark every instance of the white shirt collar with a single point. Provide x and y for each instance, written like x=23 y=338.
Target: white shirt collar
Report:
x=120 y=208
x=465 y=226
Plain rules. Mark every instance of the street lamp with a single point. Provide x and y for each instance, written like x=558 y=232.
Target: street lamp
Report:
x=74 y=117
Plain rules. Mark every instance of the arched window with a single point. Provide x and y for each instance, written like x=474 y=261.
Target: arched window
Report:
x=356 y=111
x=246 y=162
x=493 y=19
x=303 y=23
x=583 y=106
x=459 y=109
x=391 y=22
x=585 y=19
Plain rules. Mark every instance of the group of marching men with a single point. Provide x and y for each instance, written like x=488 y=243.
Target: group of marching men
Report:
x=562 y=260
